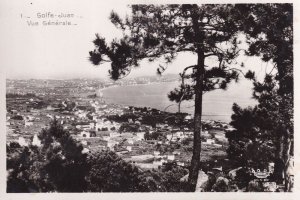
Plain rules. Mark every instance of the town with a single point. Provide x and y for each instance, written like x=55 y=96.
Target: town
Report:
x=143 y=136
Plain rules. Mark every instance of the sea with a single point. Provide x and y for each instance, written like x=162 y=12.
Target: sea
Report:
x=217 y=104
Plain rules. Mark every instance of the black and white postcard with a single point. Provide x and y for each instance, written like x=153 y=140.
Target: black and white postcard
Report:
x=167 y=99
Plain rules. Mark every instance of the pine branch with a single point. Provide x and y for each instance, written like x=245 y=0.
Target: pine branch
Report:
x=235 y=69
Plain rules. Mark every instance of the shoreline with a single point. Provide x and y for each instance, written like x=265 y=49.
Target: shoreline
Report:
x=205 y=117
x=113 y=86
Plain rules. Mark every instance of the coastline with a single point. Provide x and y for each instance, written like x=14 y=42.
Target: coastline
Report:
x=217 y=105
x=114 y=86
x=158 y=100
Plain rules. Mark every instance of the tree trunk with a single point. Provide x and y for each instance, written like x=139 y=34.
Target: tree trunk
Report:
x=195 y=162
x=279 y=162
x=288 y=173
x=199 y=78
x=284 y=136
x=179 y=104
x=284 y=152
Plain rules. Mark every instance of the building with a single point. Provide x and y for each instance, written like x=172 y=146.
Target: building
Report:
x=36 y=141
x=209 y=141
x=129 y=148
x=83 y=125
x=111 y=144
x=171 y=157
x=28 y=123
x=140 y=135
x=22 y=142
x=156 y=153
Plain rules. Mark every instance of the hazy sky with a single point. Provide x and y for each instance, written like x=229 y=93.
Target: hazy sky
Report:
x=62 y=51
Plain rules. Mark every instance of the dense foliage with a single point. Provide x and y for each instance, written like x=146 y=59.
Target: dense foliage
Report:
x=129 y=127
x=59 y=165
x=51 y=167
x=109 y=173
x=155 y=135
x=265 y=132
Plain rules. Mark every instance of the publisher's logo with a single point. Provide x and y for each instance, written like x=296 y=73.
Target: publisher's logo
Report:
x=265 y=173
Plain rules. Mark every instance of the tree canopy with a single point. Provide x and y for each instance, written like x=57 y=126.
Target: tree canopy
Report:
x=155 y=32
x=163 y=31
x=269 y=126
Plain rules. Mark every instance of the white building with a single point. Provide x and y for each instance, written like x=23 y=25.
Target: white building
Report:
x=171 y=157
x=50 y=116
x=94 y=117
x=106 y=138
x=221 y=137
x=217 y=145
x=111 y=144
x=209 y=141
x=92 y=125
x=188 y=117
x=27 y=123
x=156 y=153
x=140 y=135
x=85 y=150
x=114 y=134
x=83 y=126
x=130 y=141
x=36 y=141
x=176 y=152
x=129 y=148
x=169 y=136
x=179 y=134
x=158 y=162
x=105 y=124
x=81 y=115
x=50 y=107
x=22 y=141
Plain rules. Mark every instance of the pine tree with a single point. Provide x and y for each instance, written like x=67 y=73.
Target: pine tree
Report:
x=269 y=31
x=162 y=32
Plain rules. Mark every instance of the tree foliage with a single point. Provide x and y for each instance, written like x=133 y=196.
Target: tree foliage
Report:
x=269 y=31
x=164 y=31
x=129 y=127
x=58 y=165
x=161 y=32
x=109 y=173
x=252 y=143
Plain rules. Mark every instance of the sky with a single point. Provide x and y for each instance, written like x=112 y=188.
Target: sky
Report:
x=59 y=52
